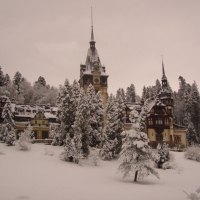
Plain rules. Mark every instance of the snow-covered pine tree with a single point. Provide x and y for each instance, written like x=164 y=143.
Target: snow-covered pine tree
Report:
x=96 y=116
x=75 y=94
x=52 y=134
x=131 y=94
x=119 y=113
x=72 y=150
x=7 y=114
x=108 y=146
x=195 y=110
x=17 y=81
x=136 y=154
x=3 y=129
x=121 y=94
x=191 y=134
x=82 y=123
x=112 y=139
x=163 y=155
x=10 y=136
x=66 y=112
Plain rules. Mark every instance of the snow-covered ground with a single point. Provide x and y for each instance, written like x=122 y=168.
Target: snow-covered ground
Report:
x=39 y=174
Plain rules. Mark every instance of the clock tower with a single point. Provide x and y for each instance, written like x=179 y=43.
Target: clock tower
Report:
x=93 y=72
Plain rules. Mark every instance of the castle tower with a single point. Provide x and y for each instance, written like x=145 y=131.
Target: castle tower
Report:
x=93 y=72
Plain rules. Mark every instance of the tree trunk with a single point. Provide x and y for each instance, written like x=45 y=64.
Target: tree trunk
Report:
x=136 y=175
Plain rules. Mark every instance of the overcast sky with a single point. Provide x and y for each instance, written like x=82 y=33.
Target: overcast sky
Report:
x=50 y=38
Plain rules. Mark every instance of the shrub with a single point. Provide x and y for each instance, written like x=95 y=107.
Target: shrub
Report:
x=193 y=153
x=24 y=142
x=194 y=195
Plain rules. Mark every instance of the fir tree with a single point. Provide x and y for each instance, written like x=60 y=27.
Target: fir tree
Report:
x=131 y=94
x=56 y=136
x=163 y=155
x=41 y=81
x=195 y=110
x=10 y=137
x=96 y=116
x=107 y=152
x=66 y=110
x=72 y=150
x=121 y=94
x=82 y=123
x=7 y=113
x=17 y=80
x=114 y=127
x=136 y=155
x=1 y=77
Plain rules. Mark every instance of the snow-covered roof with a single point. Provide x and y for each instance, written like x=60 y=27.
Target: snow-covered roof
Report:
x=25 y=115
x=92 y=57
x=22 y=123
x=49 y=115
x=54 y=109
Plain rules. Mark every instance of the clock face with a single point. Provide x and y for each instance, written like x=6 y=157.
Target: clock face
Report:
x=96 y=80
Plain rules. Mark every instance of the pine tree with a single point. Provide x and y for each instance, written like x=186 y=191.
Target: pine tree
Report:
x=112 y=140
x=136 y=155
x=56 y=136
x=75 y=95
x=72 y=150
x=144 y=93
x=131 y=94
x=195 y=110
x=1 y=77
x=10 y=137
x=82 y=123
x=7 y=113
x=179 y=102
x=96 y=116
x=17 y=80
x=66 y=112
x=107 y=152
x=120 y=93
x=41 y=81
x=163 y=155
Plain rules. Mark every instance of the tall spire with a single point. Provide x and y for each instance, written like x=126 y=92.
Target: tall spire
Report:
x=163 y=70
x=92 y=33
x=164 y=78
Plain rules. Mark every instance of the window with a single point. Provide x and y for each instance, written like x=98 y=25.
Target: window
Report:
x=150 y=121
x=177 y=139
x=159 y=122
x=45 y=134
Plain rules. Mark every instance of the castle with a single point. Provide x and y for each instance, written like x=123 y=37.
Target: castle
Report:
x=160 y=125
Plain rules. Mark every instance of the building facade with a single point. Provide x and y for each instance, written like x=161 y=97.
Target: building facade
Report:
x=40 y=121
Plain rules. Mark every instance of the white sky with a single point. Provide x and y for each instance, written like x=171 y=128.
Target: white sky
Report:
x=50 y=38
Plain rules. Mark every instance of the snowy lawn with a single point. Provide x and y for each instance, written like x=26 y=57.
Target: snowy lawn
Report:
x=39 y=174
